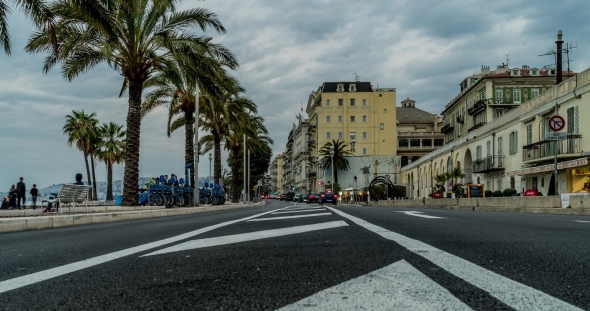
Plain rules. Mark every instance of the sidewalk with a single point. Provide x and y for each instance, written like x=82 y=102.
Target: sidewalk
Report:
x=21 y=220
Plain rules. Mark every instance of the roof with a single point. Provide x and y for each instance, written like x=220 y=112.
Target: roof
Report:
x=414 y=116
x=525 y=72
x=331 y=87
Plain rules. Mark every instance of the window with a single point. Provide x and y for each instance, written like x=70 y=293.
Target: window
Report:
x=534 y=93
x=529 y=134
x=534 y=72
x=414 y=142
x=516 y=96
x=500 y=164
x=365 y=135
x=340 y=136
x=339 y=118
x=364 y=150
x=352 y=101
x=403 y=142
x=478 y=153
x=543 y=128
x=340 y=102
x=340 y=88
x=351 y=118
x=364 y=118
x=328 y=135
x=499 y=96
x=570 y=120
x=328 y=118
x=381 y=126
x=353 y=87
x=498 y=113
x=515 y=72
x=499 y=185
x=327 y=102
x=364 y=102
x=513 y=142
x=439 y=142
x=488 y=149
x=384 y=110
x=427 y=142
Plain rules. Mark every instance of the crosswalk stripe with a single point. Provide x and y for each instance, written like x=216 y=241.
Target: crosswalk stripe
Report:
x=300 y=211
x=237 y=238
x=289 y=217
x=512 y=293
x=399 y=286
x=306 y=207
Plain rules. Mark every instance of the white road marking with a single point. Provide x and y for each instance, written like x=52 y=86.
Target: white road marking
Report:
x=416 y=213
x=301 y=211
x=40 y=276
x=581 y=221
x=307 y=207
x=289 y=217
x=237 y=238
x=512 y=293
x=396 y=287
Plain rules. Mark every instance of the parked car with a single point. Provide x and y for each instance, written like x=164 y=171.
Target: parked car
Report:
x=328 y=196
x=267 y=196
x=282 y=197
x=304 y=198
x=313 y=197
x=289 y=196
x=297 y=198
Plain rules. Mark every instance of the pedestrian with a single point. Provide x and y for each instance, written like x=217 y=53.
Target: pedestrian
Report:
x=79 y=179
x=34 y=193
x=12 y=197
x=21 y=190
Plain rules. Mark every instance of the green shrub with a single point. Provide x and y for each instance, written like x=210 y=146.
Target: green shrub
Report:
x=498 y=194
x=489 y=194
x=508 y=192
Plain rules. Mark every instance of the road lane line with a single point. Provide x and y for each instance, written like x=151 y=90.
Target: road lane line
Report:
x=416 y=213
x=300 y=211
x=244 y=237
x=289 y=217
x=399 y=286
x=512 y=293
x=581 y=221
x=306 y=207
x=40 y=276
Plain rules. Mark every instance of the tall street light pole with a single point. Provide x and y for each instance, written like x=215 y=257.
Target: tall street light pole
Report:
x=210 y=158
x=332 y=164
x=196 y=149
x=352 y=143
x=244 y=172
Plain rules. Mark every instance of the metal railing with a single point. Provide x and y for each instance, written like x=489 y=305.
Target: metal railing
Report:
x=488 y=164
x=479 y=106
x=547 y=148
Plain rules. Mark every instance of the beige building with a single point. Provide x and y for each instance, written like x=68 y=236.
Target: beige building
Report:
x=276 y=174
x=418 y=132
x=511 y=150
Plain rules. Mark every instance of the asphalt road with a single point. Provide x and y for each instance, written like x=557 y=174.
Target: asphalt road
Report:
x=303 y=257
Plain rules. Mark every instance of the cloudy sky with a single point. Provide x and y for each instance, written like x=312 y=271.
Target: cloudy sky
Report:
x=286 y=50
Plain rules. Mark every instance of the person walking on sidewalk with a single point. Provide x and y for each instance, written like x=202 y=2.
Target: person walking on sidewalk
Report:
x=21 y=190
x=34 y=191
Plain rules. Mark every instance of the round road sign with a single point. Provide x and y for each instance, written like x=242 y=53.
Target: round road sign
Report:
x=556 y=123
x=387 y=177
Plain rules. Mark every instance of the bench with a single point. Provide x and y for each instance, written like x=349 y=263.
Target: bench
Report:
x=72 y=194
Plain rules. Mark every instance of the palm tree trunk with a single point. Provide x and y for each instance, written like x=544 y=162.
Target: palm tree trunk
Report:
x=88 y=173
x=335 y=175
x=217 y=160
x=131 y=174
x=189 y=146
x=235 y=168
x=94 y=193
x=109 y=180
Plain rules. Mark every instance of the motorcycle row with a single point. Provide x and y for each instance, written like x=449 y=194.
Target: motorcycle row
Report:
x=178 y=193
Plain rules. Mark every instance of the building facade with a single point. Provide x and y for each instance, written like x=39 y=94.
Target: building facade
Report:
x=511 y=150
x=276 y=174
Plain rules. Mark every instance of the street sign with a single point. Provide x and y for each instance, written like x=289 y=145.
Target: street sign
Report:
x=387 y=177
x=555 y=135
x=556 y=123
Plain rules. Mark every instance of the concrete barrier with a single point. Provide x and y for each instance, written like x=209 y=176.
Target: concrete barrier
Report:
x=82 y=219
x=580 y=201
x=13 y=224
x=34 y=223
x=63 y=221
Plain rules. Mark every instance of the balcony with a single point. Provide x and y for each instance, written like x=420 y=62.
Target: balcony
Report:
x=419 y=134
x=475 y=127
x=311 y=143
x=545 y=150
x=461 y=119
x=417 y=148
x=489 y=164
x=479 y=106
x=503 y=103
x=447 y=128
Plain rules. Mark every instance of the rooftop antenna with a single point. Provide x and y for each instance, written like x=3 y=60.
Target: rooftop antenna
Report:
x=507 y=61
x=356 y=77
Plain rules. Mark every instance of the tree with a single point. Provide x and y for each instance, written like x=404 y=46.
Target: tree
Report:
x=81 y=131
x=36 y=10
x=136 y=38
x=111 y=150
x=340 y=162
x=457 y=173
x=440 y=181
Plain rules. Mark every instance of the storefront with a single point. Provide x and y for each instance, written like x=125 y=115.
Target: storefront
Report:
x=572 y=177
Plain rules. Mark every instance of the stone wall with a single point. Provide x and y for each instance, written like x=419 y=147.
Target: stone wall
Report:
x=524 y=202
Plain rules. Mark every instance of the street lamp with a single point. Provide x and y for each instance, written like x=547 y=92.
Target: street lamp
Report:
x=332 y=164
x=210 y=158
x=352 y=143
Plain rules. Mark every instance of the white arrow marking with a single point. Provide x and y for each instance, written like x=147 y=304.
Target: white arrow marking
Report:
x=416 y=213
x=396 y=287
x=581 y=221
x=237 y=238
x=300 y=211
x=289 y=217
x=512 y=293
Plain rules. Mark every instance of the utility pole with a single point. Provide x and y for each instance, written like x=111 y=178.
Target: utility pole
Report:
x=244 y=172
x=196 y=198
x=248 y=175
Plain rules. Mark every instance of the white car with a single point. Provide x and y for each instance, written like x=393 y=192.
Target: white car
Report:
x=297 y=197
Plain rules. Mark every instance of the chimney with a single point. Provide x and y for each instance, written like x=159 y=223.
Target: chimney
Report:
x=559 y=42
x=485 y=70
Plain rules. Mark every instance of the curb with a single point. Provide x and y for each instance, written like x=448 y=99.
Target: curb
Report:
x=58 y=221
x=502 y=209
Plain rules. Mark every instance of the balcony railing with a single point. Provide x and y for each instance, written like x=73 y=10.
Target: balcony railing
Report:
x=461 y=119
x=489 y=164
x=479 y=106
x=447 y=128
x=546 y=149
x=410 y=148
x=413 y=134
x=475 y=127
x=311 y=143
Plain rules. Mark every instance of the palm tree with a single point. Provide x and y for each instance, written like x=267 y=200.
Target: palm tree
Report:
x=136 y=38
x=81 y=131
x=36 y=10
x=111 y=150
x=340 y=162
x=440 y=181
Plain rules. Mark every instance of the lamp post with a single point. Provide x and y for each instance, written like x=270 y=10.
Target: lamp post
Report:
x=210 y=158
x=196 y=149
x=352 y=143
x=332 y=164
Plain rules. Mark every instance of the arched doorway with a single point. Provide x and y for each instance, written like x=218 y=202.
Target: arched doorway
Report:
x=467 y=164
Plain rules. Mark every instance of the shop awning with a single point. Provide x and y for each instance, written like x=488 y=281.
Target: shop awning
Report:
x=548 y=168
